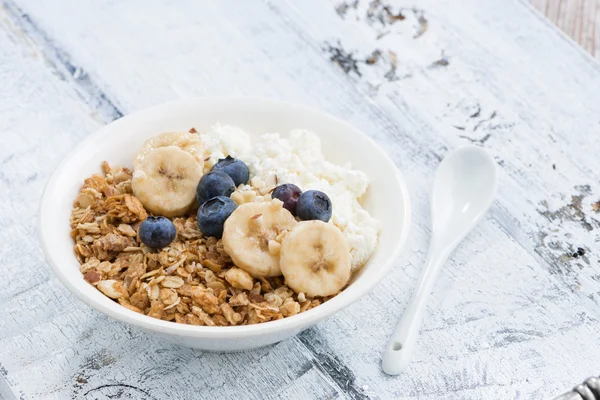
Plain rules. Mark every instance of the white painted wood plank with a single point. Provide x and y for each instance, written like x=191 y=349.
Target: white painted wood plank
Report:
x=521 y=323
x=6 y=392
x=35 y=115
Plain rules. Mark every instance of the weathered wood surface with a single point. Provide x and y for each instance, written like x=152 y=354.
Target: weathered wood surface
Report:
x=580 y=19
x=515 y=313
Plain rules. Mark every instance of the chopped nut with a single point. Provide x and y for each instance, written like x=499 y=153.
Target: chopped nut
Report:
x=92 y=276
x=213 y=266
x=153 y=292
x=265 y=312
x=222 y=296
x=122 y=175
x=220 y=320
x=249 y=196
x=181 y=319
x=185 y=290
x=209 y=276
x=172 y=282
x=216 y=286
x=173 y=267
x=149 y=274
x=237 y=197
x=104 y=267
x=125 y=207
x=136 y=208
x=265 y=285
x=273 y=299
x=289 y=308
x=89 y=227
x=274 y=247
x=92 y=263
x=110 y=243
x=127 y=304
x=240 y=299
x=112 y=288
x=96 y=182
x=83 y=252
x=88 y=239
x=304 y=306
x=127 y=230
x=239 y=279
x=174 y=304
x=140 y=300
x=106 y=168
x=204 y=318
x=256 y=298
x=87 y=197
x=156 y=310
x=156 y=280
x=168 y=296
x=208 y=301
x=256 y=289
x=232 y=317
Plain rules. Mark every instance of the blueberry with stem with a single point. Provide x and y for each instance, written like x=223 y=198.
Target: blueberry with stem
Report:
x=213 y=213
x=314 y=204
x=213 y=184
x=235 y=168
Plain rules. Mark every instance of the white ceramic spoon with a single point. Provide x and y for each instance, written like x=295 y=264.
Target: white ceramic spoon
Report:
x=464 y=188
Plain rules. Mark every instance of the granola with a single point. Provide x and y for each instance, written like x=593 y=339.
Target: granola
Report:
x=192 y=281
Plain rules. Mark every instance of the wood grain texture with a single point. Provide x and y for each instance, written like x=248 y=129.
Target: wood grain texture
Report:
x=516 y=307
x=579 y=19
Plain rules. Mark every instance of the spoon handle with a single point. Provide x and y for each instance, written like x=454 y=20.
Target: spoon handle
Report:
x=403 y=341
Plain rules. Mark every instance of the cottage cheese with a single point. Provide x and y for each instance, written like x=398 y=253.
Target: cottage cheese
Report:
x=297 y=158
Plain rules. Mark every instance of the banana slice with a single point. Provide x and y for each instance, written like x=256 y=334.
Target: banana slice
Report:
x=315 y=259
x=165 y=181
x=188 y=142
x=252 y=233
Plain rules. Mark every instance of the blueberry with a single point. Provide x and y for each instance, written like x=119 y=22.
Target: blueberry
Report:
x=157 y=232
x=236 y=169
x=314 y=204
x=213 y=184
x=213 y=213
x=289 y=194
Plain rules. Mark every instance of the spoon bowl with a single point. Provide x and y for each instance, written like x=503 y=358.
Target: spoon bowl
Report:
x=463 y=190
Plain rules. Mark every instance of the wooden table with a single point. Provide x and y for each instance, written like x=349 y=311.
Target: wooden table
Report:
x=579 y=19
x=515 y=312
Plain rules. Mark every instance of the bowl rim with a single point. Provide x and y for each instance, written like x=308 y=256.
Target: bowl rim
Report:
x=297 y=321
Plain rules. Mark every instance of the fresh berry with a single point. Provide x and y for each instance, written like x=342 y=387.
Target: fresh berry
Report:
x=235 y=168
x=213 y=184
x=157 y=232
x=213 y=213
x=289 y=194
x=314 y=204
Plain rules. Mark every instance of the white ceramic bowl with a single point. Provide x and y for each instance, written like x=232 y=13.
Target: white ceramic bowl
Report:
x=387 y=200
